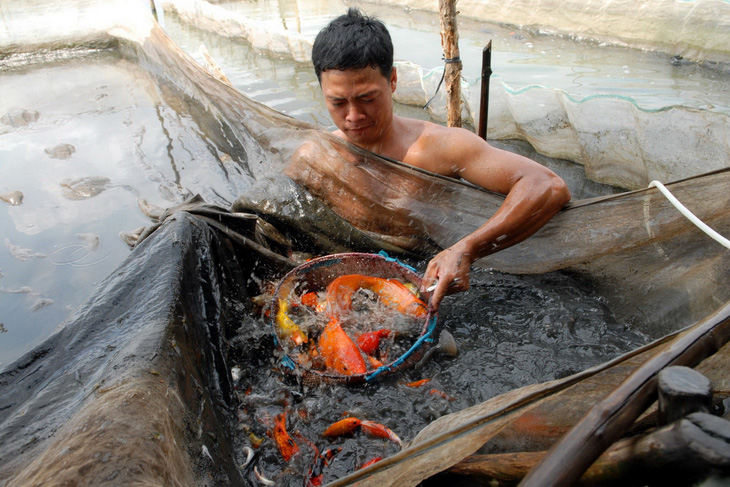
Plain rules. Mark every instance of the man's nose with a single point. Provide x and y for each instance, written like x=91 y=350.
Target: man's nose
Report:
x=354 y=113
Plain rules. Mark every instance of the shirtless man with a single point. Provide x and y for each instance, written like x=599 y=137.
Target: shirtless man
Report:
x=353 y=60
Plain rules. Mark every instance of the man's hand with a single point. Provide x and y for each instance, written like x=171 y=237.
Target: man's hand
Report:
x=447 y=273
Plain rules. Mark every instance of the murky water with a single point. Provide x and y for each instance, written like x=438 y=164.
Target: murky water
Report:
x=511 y=331
x=98 y=134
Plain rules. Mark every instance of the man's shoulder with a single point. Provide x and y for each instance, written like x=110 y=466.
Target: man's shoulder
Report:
x=436 y=137
x=422 y=132
x=427 y=128
x=418 y=125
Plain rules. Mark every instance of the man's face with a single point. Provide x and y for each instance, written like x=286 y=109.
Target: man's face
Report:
x=360 y=102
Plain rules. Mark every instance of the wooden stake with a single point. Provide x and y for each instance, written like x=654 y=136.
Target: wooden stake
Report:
x=452 y=70
x=484 y=99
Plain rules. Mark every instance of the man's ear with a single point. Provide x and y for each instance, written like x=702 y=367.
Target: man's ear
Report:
x=393 y=79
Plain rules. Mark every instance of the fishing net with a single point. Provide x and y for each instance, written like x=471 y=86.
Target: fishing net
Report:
x=653 y=267
x=645 y=256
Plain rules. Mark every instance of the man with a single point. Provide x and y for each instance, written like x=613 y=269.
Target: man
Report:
x=353 y=60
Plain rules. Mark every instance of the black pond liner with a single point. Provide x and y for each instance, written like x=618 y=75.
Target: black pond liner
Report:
x=315 y=275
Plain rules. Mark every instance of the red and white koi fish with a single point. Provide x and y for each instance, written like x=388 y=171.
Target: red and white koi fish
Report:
x=349 y=425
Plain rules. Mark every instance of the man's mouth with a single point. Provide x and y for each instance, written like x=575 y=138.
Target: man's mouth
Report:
x=358 y=130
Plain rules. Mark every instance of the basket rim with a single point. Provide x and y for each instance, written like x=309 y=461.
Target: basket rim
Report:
x=426 y=335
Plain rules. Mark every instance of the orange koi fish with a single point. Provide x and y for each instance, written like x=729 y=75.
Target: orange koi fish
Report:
x=316 y=471
x=349 y=425
x=372 y=461
x=442 y=394
x=418 y=383
x=342 y=427
x=374 y=363
x=392 y=293
x=310 y=299
x=379 y=431
x=370 y=341
x=286 y=445
x=339 y=351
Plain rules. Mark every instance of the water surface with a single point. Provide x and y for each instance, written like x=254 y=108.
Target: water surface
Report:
x=99 y=135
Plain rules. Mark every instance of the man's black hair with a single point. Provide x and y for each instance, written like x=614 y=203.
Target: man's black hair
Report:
x=353 y=41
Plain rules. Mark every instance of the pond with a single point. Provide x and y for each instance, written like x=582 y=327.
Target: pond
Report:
x=91 y=137
x=510 y=331
x=520 y=58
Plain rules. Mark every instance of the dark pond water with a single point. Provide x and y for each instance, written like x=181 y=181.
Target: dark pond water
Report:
x=511 y=331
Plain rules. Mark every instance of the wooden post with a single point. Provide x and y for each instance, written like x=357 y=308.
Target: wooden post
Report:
x=680 y=453
x=484 y=100
x=682 y=391
x=452 y=70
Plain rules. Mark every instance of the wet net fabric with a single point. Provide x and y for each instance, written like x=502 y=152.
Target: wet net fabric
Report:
x=655 y=269
x=636 y=246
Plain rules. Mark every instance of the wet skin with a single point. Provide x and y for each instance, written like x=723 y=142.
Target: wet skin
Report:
x=360 y=104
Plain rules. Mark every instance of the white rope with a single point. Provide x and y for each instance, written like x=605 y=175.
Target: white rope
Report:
x=690 y=216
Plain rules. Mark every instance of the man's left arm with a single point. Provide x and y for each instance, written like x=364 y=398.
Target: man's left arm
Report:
x=534 y=194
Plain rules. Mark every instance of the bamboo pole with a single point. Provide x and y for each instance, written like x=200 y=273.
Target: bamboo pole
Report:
x=452 y=70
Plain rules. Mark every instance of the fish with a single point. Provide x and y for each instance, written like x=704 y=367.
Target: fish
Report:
x=442 y=394
x=335 y=348
x=287 y=327
x=370 y=341
x=372 y=461
x=284 y=442
x=349 y=425
x=339 y=351
x=260 y=477
x=342 y=427
x=391 y=292
x=315 y=475
x=379 y=431
x=249 y=456
x=311 y=299
x=374 y=363
x=418 y=383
